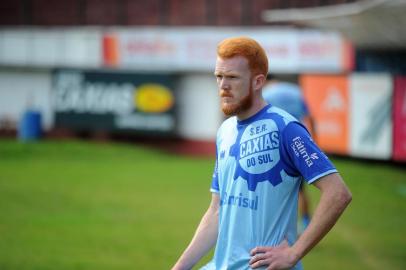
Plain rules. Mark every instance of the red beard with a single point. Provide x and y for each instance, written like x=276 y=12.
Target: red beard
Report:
x=234 y=109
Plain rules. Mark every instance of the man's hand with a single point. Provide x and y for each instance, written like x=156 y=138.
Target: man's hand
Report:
x=279 y=257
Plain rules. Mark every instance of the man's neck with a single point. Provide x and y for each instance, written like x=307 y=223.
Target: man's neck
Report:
x=255 y=108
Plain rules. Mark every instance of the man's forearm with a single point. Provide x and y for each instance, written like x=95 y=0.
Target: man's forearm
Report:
x=333 y=200
x=204 y=239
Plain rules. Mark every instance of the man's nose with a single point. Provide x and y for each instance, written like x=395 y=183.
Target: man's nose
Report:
x=224 y=84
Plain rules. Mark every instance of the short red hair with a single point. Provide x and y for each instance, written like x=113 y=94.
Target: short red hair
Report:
x=247 y=48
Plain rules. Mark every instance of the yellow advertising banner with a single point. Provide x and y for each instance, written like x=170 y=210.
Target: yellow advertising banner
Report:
x=327 y=97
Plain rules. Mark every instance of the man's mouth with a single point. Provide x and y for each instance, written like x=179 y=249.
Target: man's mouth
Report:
x=224 y=94
x=227 y=99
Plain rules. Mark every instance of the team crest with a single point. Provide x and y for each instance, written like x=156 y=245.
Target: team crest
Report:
x=257 y=152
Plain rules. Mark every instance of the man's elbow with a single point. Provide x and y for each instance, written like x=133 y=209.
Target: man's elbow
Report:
x=344 y=197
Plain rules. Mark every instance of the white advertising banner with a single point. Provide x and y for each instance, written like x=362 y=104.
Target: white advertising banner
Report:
x=371 y=115
x=174 y=49
x=51 y=47
x=194 y=49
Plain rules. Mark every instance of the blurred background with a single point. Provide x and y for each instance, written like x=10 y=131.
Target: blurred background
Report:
x=132 y=74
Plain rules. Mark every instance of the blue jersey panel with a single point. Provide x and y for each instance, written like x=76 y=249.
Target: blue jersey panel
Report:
x=303 y=157
x=215 y=181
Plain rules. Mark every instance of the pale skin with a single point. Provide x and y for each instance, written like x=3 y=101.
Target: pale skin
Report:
x=234 y=80
x=334 y=198
x=204 y=239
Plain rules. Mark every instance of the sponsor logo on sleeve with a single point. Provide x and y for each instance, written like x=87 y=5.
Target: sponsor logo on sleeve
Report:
x=301 y=151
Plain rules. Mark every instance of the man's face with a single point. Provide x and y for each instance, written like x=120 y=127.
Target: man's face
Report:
x=234 y=83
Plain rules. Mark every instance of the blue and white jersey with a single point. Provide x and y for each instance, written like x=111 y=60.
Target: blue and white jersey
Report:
x=288 y=97
x=260 y=163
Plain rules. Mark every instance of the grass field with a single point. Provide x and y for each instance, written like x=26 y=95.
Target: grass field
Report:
x=79 y=205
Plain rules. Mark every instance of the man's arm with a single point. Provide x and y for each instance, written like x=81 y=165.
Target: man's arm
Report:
x=334 y=198
x=204 y=239
x=310 y=124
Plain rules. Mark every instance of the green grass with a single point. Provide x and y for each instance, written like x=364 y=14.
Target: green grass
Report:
x=79 y=205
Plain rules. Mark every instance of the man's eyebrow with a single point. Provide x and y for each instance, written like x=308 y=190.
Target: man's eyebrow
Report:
x=219 y=72
x=226 y=72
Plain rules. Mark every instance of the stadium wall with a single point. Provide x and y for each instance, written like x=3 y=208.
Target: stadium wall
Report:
x=22 y=89
x=29 y=58
x=359 y=114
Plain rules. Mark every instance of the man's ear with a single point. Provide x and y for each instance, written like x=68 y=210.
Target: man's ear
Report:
x=258 y=82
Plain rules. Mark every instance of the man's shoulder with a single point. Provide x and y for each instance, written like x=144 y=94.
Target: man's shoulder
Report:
x=276 y=112
x=227 y=126
x=230 y=122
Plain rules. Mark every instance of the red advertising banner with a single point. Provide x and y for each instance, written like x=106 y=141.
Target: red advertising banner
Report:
x=327 y=97
x=399 y=119
x=110 y=50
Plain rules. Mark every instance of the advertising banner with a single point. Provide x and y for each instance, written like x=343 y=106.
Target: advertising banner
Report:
x=399 y=119
x=327 y=98
x=371 y=115
x=122 y=102
x=185 y=49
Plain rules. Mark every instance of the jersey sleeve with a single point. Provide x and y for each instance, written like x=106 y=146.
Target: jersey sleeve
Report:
x=302 y=156
x=215 y=183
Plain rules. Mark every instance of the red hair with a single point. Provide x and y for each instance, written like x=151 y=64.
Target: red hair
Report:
x=247 y=48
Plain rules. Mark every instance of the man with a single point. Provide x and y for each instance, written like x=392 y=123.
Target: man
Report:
x=262 y=155
x=288 y=96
